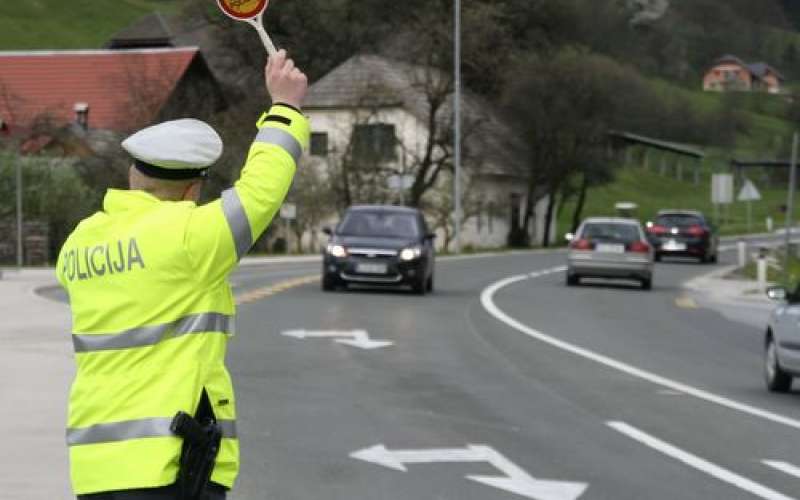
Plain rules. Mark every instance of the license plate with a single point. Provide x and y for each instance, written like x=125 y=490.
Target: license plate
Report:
x=674 y=246
x=369 y=268
x=607 y=248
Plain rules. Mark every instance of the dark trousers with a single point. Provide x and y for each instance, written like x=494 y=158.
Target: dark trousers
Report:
x=213 y=492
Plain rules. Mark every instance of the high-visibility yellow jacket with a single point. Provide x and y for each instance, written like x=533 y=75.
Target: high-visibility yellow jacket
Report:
x=152 y=313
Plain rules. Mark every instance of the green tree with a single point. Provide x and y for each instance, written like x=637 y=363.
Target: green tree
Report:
x=563 y=108
x=53 y=192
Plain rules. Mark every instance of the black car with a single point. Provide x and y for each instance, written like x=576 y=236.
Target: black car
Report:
x=683 y=233
x=379 y=245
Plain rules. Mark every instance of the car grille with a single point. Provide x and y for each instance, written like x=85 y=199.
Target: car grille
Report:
x=371 y=253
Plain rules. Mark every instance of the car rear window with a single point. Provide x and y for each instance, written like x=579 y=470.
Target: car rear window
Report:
x=605 y=231
x=678 y=220
x=384 y=224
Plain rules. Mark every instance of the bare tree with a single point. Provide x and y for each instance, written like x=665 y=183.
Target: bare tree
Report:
x=313 y=196
x=147 y=89
x=440 y=206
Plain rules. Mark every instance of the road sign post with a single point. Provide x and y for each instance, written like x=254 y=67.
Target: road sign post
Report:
x=721 y=192
x=457 y=120
x=288 y=214
x=749 y=194
x=742 y=248
x=790 y=208
x=761 y=272
x=19 y=213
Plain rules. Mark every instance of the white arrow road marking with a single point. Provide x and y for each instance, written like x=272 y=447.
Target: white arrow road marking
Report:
x=353 y=338
x=698 y=463
x=515 y=480
x=785 y=467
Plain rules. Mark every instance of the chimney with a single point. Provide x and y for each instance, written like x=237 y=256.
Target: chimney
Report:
x=82 y=115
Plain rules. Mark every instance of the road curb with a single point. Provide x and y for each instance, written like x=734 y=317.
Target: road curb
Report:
x=727 y=291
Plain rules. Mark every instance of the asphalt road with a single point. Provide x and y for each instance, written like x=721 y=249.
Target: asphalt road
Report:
x=503 y=384
x=645 y=399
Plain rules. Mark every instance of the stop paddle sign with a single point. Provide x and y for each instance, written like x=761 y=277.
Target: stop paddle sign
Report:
x=243 y=10
x=252 y=12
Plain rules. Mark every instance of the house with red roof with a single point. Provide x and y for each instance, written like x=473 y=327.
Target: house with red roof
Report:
x=116 y=90
x=729 y=73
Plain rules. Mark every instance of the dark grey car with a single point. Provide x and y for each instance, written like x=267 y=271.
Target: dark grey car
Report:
x=380 y=245
x=683 y=233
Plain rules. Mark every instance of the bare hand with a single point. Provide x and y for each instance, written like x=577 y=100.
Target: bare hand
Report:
x=285 y=82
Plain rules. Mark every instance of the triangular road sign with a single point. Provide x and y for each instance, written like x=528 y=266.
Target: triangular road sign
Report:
x=749 y=192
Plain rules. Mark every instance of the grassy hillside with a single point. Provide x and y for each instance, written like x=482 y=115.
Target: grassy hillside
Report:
x=73 y=24
x=767 y=134
x=653 y=192
x=764 y=116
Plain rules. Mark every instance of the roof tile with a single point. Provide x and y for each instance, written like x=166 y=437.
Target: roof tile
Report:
x=121 y=87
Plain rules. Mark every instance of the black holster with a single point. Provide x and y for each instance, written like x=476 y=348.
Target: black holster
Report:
x=201 y=441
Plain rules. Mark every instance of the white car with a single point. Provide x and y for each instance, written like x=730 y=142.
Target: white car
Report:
x=782 y=341
x=610 y=247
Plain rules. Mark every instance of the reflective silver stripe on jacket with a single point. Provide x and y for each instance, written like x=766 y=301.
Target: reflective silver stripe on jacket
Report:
x=228 y=428
x=237 y=221
x=134 y=429
x=153 y=334
x=281 y=138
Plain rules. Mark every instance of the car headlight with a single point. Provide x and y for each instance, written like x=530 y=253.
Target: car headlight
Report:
x=410 y=253
x=337 y=251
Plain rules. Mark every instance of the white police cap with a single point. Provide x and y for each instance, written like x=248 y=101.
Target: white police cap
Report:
x=178 y=149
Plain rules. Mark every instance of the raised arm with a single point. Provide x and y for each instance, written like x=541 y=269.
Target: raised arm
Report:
x=221 y=233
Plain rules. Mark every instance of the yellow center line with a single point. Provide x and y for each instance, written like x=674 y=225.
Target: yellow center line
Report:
x=685 y=302
x=282 y=286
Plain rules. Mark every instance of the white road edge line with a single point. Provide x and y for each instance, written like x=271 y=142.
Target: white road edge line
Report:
x=784 y=467
x=698 y=463
x=487 y=300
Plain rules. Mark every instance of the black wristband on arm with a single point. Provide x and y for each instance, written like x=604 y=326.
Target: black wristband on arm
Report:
x=287 y=106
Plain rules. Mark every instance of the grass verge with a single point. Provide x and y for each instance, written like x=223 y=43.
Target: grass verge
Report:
x=652 y=192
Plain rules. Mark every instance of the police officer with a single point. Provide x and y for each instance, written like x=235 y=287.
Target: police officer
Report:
x=152 y=309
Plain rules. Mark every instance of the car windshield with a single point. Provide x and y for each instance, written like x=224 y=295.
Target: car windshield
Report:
x=384 y=224
x=624 y=233
x=678 y=220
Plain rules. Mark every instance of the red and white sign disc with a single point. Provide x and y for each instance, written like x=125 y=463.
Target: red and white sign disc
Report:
x=243 y=9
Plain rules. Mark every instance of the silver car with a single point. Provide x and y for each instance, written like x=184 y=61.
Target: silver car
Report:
x=782 y=341
x=610 y=247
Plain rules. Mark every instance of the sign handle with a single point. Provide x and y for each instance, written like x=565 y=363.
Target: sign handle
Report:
x=259 y=26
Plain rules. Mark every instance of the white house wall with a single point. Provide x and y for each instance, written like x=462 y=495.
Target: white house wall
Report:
x=338 y=124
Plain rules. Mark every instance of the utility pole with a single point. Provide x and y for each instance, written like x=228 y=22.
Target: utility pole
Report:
x=790 y=208
x=19 y=212
x=457 y=120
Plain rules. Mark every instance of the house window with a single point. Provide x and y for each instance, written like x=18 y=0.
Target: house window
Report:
x=319 y=144
x=375 y=141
